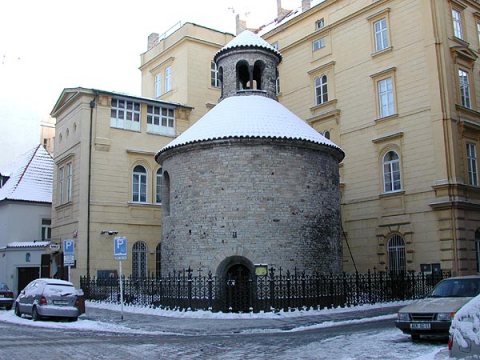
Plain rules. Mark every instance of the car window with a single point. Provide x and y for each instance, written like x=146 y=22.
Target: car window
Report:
x=3 y=287
x=457 y=288
x=59 y=289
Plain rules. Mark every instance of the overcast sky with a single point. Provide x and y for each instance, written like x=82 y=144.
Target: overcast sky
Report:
x=49 y=45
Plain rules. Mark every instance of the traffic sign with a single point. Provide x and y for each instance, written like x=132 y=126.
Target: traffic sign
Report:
x=68 y=252
x=120 y=248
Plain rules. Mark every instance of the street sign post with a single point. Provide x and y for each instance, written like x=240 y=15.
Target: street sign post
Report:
x=68 y=254
x=120 y=254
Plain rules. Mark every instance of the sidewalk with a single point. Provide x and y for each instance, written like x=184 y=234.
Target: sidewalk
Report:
x=190 y=325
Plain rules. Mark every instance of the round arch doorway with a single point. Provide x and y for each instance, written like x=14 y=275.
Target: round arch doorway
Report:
x=236 y=274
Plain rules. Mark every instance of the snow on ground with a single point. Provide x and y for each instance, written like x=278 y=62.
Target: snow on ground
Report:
x=200 y=314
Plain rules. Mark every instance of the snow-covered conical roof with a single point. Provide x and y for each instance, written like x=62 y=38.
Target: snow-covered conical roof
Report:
x=251 y=117
x=245 y=40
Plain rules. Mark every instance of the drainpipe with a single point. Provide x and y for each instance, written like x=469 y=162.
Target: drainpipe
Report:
x=90 y=142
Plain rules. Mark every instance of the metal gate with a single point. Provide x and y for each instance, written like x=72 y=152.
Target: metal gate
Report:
x=238 y=289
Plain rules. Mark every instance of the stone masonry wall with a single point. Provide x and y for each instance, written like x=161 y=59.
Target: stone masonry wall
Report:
x=272 y=203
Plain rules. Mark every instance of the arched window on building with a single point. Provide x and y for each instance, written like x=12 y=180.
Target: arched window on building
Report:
x=139 y=184
x=396 y=254
x=258 y=69
x=321 y=90
x=166 y=193
x=158 y=196
x=139 y=260
x=243 y=75
x=391 y=172
x=158 y=260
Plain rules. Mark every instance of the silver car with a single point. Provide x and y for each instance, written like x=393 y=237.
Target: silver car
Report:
x=50 y=298
x=433 y=314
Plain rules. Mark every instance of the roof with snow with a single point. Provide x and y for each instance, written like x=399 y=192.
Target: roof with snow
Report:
x=30 y=177
x=28 y=244
x=250 y=116
x=246 y=40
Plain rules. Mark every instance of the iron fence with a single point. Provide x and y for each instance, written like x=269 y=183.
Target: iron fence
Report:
x=278 y=290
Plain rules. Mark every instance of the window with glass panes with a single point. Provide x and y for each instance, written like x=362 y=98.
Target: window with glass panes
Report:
x=321 y=90
x=168 y=79
x=472 y=164
x=139 y=184
x=318 y=44
x=160 y=120
x=391 y=172
x=125 y=114
x=158 y=197
x=464 y=83
x=46 y=229
x=381 y=34
x=457 y=23
x=158 y=85
x=214 y=79
x=385 y=97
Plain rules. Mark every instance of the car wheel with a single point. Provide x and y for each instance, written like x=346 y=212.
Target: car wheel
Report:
x=35 y=316
x=415 y=337
x=17 y=310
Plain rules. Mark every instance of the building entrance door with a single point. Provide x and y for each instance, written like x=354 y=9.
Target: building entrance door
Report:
x=25 y=275
x=238 y=288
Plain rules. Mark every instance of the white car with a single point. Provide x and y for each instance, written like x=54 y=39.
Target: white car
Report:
x=433 y=314
x=464 y=339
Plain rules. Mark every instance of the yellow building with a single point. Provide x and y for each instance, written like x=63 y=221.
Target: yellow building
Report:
x=395 y=84
x=106 y=181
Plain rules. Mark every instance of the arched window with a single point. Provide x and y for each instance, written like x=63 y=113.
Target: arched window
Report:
x=321 y=90
x=258 y=69
x=166 y=193
x=158 y=260
x=396 y=254
x=139 y=184
x=158 y=196
x=243 y=75
x=139 y=260
x=477 y=249
x=391 y=172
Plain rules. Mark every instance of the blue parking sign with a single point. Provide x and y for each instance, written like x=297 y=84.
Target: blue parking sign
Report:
x=120 y=248
x=68 y=252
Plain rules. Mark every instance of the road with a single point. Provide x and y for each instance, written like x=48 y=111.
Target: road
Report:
x=376 y=340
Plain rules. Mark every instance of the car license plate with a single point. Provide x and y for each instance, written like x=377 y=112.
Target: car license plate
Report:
x=420 y=326
x=60 y=302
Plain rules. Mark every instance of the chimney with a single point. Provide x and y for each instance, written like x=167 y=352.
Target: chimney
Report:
x=240 y=24
x=281 y=12
x=306 y=5
x=152 y=40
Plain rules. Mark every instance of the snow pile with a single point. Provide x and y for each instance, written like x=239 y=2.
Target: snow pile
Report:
x=466 y=323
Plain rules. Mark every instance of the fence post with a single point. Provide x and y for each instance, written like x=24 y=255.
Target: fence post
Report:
x=189 y=280
x=369 y=282
x=210 y=297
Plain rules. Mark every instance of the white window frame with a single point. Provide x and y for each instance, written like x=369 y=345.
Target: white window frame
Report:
x=392 y=176
x=125 y=114
x=457 y=23
x=472 y=163
x=214 y=79
x=318 y=44
x=139 y=185
x=161 y=120
x=386 y=99
x=46 y=229
x=464 y=87
x=158 y=85
x=321 y=89
x=380 y=31
x=168 y=79
x=69 y=181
